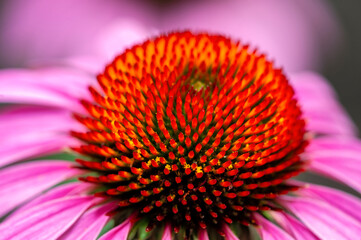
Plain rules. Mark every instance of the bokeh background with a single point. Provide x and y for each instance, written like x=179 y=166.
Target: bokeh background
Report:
x=341 y=65
x=344 y=72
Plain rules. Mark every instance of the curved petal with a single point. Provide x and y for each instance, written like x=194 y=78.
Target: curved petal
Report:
x=269 y=231
x=167 y=234
x=19 y=120
x=320 y=106
x=341 y=200
x=203 y=235
x=49 y=87
x=34 y=223
x=229 y=234
x=34 y=131
x=119 y=232
x=24 y=181
x=324 y=220
x=26 y=147
x=295 y=228
x=339 y=143
x=344 y=172
x=341 y=161
x=69 y=189
x=19 y=124
x=89 y=224
x=278 y=27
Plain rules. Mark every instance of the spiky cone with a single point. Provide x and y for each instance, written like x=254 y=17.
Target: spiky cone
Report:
x=193 y=130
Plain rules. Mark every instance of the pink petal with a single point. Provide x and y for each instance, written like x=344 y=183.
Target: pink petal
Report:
x=339 y=143
x=119 y=232
x=229 y=234
x=324 y=220
x=343 y=172
x=30 y=121
x=46 y=221
x=27 y=147
x=69 y=189
x=17 y=120
x=343 y=201
x=22 y=182
x=321 y=123
x=34 y=131
x=338 y=161
x=167 y=234
x=293 y=226
x=31 y=93
x=269 y=231
x=89 y=224
x=203 y=235
x=320 y=106
x=50 y=87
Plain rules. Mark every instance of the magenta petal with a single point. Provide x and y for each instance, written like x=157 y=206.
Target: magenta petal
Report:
x=15 y=121
x=119 y=232
x=320 y=106
x=338 y=143
x=89 y=224
x=31 y=93
x=203 y=235
x=293 y=226
x=341 y=162
x=346 y=173
x=26 y=148
x=21 y=182
x=34 y=131
x=167 y=234
x=46 y=221
x=229 y=234
x=269 y=231
x=50 y=87
x=324 y=220
x=341 y=200
x=69 y=189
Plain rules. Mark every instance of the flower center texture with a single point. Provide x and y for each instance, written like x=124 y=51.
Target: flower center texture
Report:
x=192 y=129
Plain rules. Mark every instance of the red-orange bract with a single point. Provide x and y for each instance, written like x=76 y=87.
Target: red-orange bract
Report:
x=193 y=129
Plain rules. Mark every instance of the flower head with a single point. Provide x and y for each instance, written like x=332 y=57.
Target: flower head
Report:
x=188 y=135
x=193 y=130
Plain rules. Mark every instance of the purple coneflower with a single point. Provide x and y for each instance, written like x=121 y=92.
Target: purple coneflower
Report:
x=183 y=136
